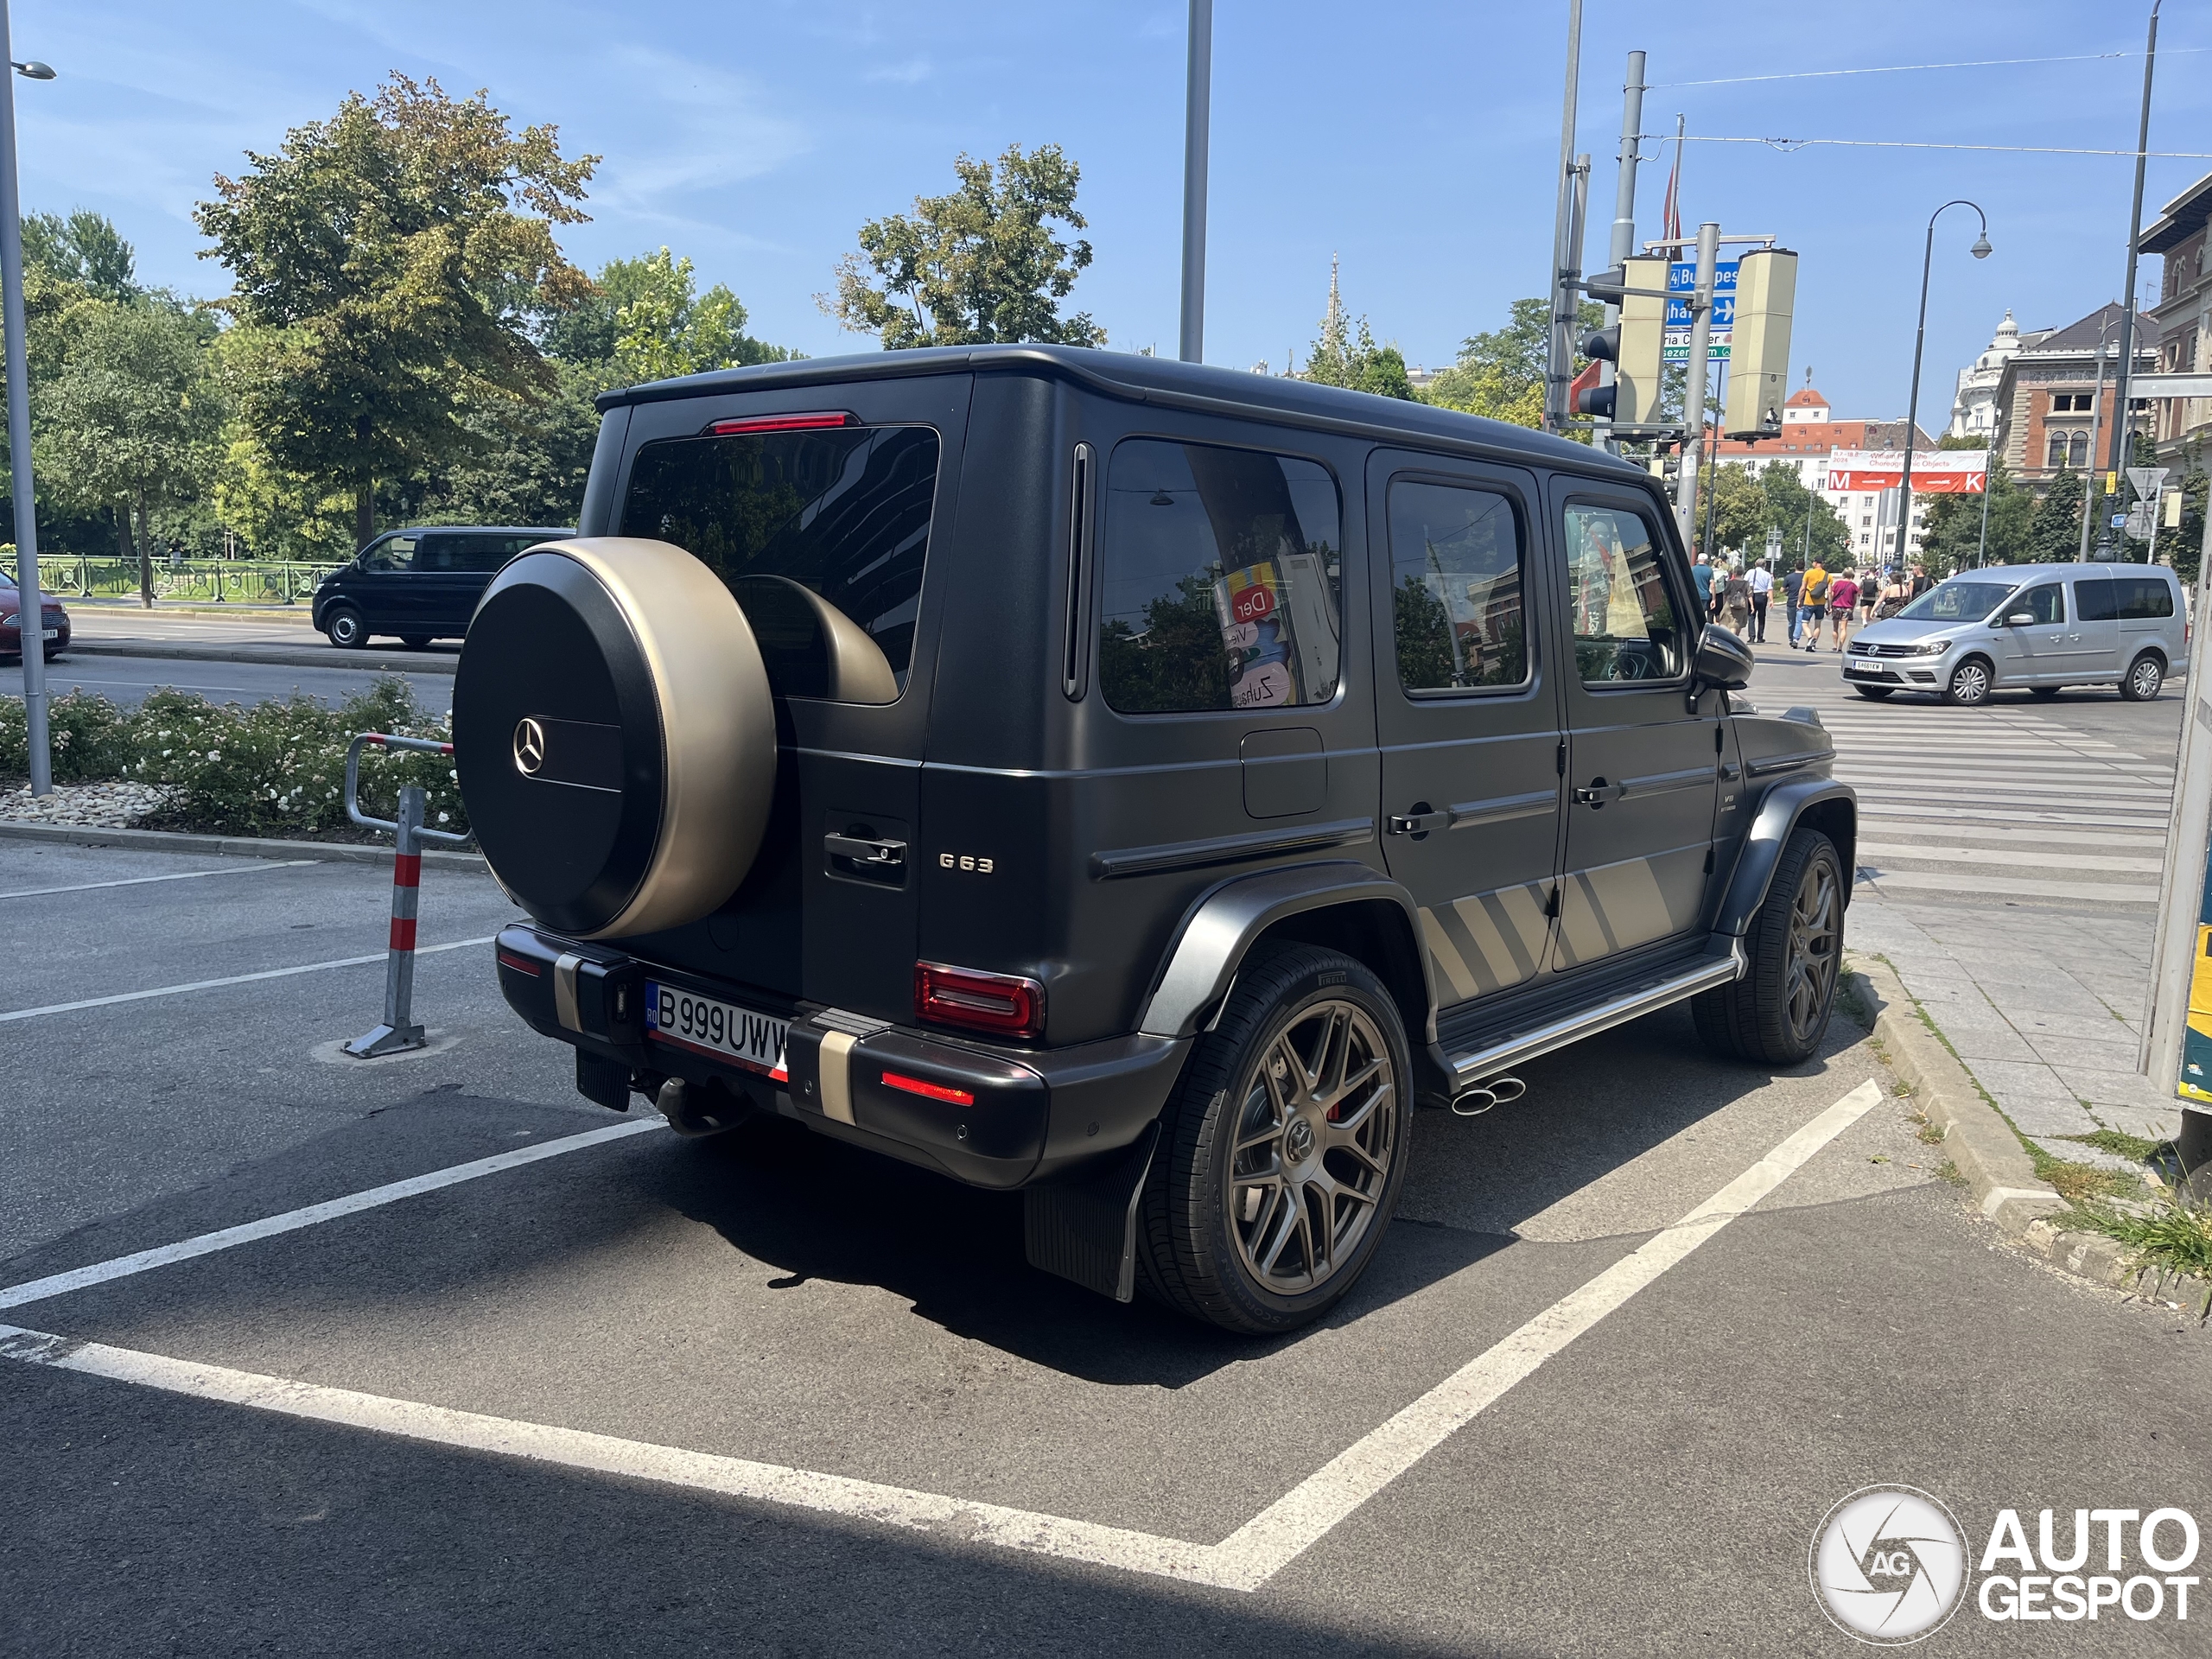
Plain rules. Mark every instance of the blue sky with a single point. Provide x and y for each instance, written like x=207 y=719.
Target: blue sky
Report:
x=1416 y=140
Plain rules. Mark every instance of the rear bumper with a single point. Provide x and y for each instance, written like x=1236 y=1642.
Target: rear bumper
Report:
x=989 y=1117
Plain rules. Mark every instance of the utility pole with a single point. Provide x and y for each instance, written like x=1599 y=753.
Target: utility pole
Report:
x=30 y=604
x=1564 y=300
x=1988 y=484
x=1622 y=245
x=1197 y=115
x=2096 y=431
x=1709 y=256
x=2106 y=539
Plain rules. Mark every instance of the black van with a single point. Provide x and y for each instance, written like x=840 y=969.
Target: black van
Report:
x=421 y=583
x=1133 y=783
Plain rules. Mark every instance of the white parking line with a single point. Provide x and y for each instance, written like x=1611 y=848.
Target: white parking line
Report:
x=235 y=979
x=1246 y=1560
x=258 y=866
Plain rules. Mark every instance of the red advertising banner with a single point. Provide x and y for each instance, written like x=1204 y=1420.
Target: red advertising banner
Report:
x=1934 y=472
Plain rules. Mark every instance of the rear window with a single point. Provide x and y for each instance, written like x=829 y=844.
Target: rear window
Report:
x=2144 y=597
x=843 y=512
x=1221 y=580
x=2096 y=600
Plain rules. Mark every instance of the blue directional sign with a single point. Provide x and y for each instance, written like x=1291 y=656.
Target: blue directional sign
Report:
x=1681 y=278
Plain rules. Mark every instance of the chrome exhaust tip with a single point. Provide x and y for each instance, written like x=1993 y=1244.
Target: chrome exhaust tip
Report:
x=1507 y=1089
x=1498 y=1091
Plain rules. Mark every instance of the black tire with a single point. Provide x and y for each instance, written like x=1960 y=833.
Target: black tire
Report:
x=1873 y=693
x=2146 y=678
x=1971 y=684
x=2046 y=692
x=346 y=628
x=1777 y=1013
x=1197 y=1252
x=415 y=641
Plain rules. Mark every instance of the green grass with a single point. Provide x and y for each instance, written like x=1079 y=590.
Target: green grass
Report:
x=2120 y=1144
x=2172 y=1240
x=2079 y=1184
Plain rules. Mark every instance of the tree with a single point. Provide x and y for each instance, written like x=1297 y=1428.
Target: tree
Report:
x=1501 y=373
x=644 y=319
x=84 y=248
x=1952 y=539
x=975 y=267
x=395 y=257
x=1346 y=354
x=135 y=415
x=2055 y=527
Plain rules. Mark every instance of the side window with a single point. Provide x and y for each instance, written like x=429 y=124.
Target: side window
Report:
x=2046 y=603
x=2144 y=597
x=1626 y=623
x=482 y=553
x=1455 y=588
x=396 y=553
x=1221 y=580
x=443 y=553
x=2096 y=598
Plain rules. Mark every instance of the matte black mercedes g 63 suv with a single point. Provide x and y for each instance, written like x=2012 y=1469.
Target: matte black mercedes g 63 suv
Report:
x=1136 y=782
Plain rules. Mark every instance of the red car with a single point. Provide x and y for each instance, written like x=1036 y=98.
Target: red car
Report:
x=11 y=636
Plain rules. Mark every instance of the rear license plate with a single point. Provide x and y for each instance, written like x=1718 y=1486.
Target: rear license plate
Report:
x=720 y=1030
x=49 y=633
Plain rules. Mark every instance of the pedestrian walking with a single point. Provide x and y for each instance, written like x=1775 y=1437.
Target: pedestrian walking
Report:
x=1896 y=595
x=1843 y=605
x=1813 y=603
x=1762 y=581
x=1919 y=584
x=1736 y=603
x=1793 y=584
x=1701 y=578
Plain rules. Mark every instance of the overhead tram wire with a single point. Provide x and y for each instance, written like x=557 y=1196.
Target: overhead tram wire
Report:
x=1908 y=68
x=1791 y=145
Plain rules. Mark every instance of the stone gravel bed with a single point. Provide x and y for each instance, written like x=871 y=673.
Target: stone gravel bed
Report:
x=96 y=806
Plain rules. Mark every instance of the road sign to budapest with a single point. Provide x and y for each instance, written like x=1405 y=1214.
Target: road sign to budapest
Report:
x=1681 y=278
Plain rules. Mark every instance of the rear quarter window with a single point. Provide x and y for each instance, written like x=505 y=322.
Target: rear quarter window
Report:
x=2142 y=598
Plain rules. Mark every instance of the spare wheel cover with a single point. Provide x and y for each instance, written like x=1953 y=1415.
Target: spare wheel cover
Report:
x=615 y=735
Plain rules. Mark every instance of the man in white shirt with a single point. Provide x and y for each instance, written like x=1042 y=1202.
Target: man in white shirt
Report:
x=1762 y=581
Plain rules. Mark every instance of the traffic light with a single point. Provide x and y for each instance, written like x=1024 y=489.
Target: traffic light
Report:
x=1758 y=351
x=1632 y=346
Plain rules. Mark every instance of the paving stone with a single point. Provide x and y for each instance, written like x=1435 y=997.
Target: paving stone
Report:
x=1978 y=1043
x=2065 y=1050
x=2023 y=1080
x=2115 y=1088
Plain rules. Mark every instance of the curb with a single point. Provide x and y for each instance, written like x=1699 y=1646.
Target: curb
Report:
x=1981 y=1144
x=272 y=657
x=172 y=841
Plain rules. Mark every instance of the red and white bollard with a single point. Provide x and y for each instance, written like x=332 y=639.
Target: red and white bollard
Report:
x=398 y=1032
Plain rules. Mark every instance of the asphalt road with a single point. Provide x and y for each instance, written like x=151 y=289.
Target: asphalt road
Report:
x=128 y=679
x=1652 y=1488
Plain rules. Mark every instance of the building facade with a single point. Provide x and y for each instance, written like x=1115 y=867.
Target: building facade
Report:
x=1811 y=436
x=2179 y=327
x=1974 y=409
x=2048 y=411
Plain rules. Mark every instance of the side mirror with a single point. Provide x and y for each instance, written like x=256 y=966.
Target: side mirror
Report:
x=2021 y=620
x=1722 y=660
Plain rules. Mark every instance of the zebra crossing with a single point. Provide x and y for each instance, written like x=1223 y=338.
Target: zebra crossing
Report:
x=1999 y=803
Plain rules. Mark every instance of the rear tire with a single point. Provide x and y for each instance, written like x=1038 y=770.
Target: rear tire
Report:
x=344 y=626
x=1873 y=693
x=2044 y=691
x=1282 y=1156
x=1777 y=1013
x=414 y=641
x=2146 y=676
x=1970 y=683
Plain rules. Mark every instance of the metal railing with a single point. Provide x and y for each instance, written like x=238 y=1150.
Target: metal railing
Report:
x=219 y=582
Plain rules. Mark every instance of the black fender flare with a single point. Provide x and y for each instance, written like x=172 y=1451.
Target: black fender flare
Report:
x=1832 y=806
x=1223 y=923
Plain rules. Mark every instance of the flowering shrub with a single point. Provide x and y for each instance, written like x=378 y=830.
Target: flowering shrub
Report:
x=276 y=769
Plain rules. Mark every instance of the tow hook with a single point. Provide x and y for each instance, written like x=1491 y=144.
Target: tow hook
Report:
x=1498 y=1091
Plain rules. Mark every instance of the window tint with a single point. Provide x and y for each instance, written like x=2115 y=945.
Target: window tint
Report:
x=1455 y=588
x=2046 y=603
x=397 y=553
x=446 y=553
x=2096 y=600
x=486 y=553
x=2144 y=597
x=1625 y=626
x=843 y=511
x=1957 y=601
x=1221 y=580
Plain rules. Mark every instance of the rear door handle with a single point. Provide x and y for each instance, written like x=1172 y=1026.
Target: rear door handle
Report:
x=885 y=855
x=1598 y=792
x=1419 y=823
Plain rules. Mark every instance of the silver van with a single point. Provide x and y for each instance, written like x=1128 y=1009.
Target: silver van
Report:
x=2037 y=626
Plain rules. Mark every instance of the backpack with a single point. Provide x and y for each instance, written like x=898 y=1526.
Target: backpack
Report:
x=1816 y=588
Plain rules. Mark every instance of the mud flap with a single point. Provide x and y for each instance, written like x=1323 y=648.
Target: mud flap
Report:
x=1083 y=1228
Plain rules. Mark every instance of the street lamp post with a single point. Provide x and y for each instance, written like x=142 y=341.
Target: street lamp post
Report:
x=30 y=604
x=1197 y=119
x=1980 y=249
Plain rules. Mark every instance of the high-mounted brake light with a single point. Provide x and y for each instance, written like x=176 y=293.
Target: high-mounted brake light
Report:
x=805 y=422
x=927 y=1089
x=1005 y=1005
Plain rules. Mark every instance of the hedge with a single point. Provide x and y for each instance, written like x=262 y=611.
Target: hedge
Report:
x=277 y=768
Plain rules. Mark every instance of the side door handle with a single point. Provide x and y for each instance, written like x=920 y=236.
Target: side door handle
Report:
x=1419 y=823
x=883 y=855
x=1598 y=792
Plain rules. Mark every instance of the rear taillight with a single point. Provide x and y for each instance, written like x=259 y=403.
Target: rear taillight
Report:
x=1005 y=1005
x=802 y=422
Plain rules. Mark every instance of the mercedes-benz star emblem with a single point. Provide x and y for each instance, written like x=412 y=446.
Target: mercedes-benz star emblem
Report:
x=1297 y=1141
x=530 y=746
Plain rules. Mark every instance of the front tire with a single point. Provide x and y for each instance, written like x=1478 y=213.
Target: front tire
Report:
x=1283 y=1155
x=1777 y=1013
x=344 y=626
x=415 y=641
x=1873 y=693
x=1970 y=683
x=2146 y=676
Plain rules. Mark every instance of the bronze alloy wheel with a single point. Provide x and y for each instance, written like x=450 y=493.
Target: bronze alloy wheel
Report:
x=1314 y=1139
x=1815 y=914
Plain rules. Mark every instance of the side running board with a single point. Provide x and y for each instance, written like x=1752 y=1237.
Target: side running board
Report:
x=1470 y=1068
